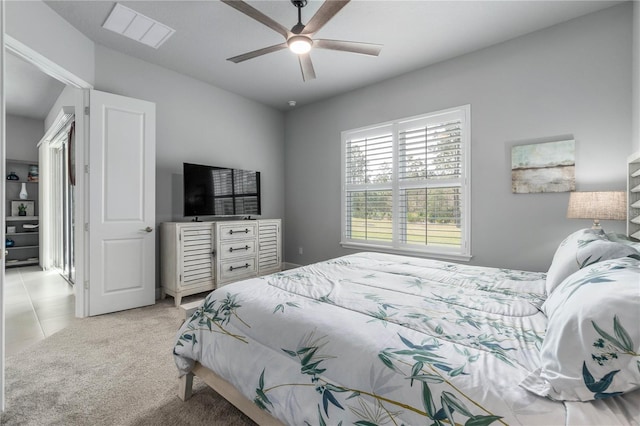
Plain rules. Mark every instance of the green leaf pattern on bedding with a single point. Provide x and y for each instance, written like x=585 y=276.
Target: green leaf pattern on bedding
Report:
x=438 y=334
x=212 y=316
x=426 y=367
x=608 y=347
x=591 y=348
x=496 y=334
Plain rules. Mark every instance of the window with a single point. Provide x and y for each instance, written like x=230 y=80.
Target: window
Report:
x=405 y=185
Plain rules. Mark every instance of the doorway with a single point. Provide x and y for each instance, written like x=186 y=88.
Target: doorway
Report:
x=76 y=91
x=122 y=258
x=38 y=301
x=8 y=45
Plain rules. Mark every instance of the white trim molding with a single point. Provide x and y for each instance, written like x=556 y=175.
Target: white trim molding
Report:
x=44 y=64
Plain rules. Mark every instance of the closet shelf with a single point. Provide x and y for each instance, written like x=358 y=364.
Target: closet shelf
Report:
x=25 y=233
x=14 y=262
x=20 y=218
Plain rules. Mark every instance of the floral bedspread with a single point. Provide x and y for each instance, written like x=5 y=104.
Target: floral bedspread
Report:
x=377 y=339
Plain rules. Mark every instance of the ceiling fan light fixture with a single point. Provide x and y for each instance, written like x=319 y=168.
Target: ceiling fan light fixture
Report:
x=299 y=44
x=299 y=38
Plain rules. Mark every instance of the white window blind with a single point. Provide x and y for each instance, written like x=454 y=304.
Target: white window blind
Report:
x=406 y=185
x=369 y=174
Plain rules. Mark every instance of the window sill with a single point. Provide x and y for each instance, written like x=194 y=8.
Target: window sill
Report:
x=407 y=252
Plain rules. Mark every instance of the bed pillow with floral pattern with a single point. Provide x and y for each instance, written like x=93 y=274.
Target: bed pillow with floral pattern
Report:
x=591 y=349
x=583 y=248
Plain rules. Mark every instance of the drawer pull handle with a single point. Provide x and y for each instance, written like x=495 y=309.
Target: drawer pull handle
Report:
x=231 y=268
x=231 y=249
x=246 y=231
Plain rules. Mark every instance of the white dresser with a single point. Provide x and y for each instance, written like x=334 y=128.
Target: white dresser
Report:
x=198 y=257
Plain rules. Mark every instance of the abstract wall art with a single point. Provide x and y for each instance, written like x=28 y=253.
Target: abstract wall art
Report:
x=543 y=167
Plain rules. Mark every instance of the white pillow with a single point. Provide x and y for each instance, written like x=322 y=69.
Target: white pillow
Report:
x=580 y=249
x=622 y=238
x=591 y=349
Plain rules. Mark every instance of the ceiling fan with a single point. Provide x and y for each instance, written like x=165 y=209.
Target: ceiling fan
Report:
x=299 y=39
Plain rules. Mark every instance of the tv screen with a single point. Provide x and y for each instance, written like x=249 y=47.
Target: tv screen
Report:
x=219 y=191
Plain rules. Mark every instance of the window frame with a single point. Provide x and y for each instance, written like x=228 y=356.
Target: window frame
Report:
x=396 y=245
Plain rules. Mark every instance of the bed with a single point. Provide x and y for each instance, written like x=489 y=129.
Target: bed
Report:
x=374 y=339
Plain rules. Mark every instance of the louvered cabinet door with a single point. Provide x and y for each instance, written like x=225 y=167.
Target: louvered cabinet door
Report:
x=269 y=246
x=187 y=262
x=197 y=256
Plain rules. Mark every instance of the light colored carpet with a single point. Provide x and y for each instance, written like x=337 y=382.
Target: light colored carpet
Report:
x=114 y=369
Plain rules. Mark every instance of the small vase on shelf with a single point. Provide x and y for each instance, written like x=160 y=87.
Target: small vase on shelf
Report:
x=23 y=192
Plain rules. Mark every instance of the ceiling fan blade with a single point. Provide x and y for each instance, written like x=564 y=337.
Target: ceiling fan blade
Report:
x=349 y=46
x=306 y=66
x=254 y=13
x=256 y=53
x=327 y=11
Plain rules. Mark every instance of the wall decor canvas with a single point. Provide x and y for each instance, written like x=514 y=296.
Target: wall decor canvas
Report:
x=543 y=167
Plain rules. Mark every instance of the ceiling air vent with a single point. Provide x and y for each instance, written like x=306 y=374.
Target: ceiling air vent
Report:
x=138 y=27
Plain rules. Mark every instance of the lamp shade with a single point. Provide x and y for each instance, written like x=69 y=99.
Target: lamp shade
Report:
x=608 y=205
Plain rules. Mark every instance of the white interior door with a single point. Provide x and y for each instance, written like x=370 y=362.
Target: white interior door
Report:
x=122 y=203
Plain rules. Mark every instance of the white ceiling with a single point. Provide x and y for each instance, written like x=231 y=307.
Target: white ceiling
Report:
x=414 y=34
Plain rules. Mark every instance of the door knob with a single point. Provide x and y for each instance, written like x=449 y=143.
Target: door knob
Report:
x=148 y=229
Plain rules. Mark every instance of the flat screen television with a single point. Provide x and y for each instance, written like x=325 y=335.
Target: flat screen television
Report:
x=220 y=191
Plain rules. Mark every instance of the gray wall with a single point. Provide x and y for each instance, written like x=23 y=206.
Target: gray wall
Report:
x=199 y=123
x=570 y=80
x=202 y=124
x=23 y=135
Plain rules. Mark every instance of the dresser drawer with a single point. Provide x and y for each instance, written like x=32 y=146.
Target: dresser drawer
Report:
x=237 y=231
x=235 y=270
x=236 y=249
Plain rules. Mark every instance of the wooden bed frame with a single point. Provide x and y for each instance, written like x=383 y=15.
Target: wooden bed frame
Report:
x=220 y=385
x=227 y=391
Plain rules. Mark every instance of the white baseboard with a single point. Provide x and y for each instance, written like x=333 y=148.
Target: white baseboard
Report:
x=289 y=265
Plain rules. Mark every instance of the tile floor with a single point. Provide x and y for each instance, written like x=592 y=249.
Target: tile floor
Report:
x=38 y=303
